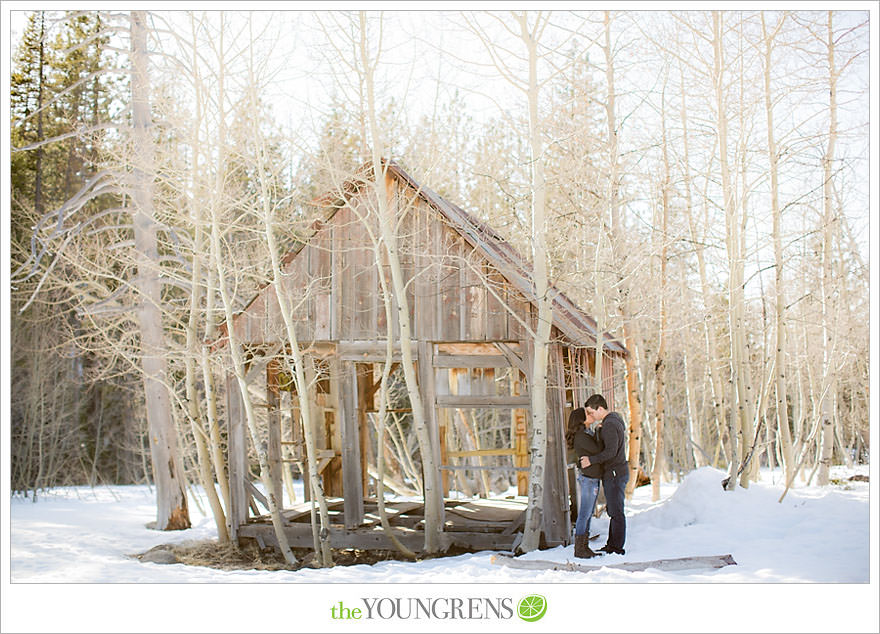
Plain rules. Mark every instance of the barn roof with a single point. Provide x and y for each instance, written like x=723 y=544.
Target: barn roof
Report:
x=575 y=324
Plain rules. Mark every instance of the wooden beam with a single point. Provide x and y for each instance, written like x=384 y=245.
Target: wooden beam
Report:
x=482 y=452
x=236 y=457
x=679 y=563
x=513 y=358
x=469 y=400
x=472 y=467
x=471 y=361
x=299 y=535
x=556 y=516
x=274 y=423
x=467 y=348
x=368 y=351
x=257 y=495
x=428 y=388
x=352 y=482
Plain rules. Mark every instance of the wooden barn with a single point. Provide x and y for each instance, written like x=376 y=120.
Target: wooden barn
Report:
x=470 y=297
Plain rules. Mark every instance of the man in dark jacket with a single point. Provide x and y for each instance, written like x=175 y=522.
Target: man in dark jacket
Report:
x=615 y=470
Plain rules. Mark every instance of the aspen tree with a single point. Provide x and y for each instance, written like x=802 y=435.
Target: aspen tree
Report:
x=829 y=224
x=388 y=231
x=625 y=304
x=660 y=363
x=172 y=512
x=782 y=422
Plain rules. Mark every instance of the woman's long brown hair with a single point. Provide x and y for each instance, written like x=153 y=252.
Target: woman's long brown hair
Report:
x=575 y=421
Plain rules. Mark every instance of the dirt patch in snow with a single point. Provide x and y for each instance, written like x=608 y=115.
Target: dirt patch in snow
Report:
x=250 y=556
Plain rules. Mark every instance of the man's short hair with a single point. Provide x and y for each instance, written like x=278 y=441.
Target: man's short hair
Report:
x=595 y=402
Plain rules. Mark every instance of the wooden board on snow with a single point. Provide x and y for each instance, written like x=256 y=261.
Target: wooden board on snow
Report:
x=680 y=563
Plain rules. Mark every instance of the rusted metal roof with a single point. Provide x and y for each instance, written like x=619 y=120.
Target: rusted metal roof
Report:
x=575 y=324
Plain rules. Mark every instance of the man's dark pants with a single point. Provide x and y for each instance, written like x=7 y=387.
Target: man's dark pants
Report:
x=614 y=481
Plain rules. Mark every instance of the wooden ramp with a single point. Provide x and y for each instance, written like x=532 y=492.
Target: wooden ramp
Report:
x=473 y=524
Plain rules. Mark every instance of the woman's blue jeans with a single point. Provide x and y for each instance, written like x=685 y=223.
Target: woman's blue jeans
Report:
x=589 y=491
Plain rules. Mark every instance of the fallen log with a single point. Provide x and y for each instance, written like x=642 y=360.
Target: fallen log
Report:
x=680 y=563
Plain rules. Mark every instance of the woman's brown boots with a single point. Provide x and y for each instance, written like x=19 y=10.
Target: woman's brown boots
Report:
x=582 y=547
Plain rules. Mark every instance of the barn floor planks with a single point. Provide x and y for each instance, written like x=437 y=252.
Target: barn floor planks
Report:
x=471 y=524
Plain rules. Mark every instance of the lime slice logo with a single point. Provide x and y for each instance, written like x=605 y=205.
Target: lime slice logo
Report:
x=532 y=608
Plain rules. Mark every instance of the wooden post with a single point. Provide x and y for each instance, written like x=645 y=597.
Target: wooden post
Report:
x=273 y=401
x=365 y=380
x=236 y=459
x=556 y=511
x=520 y=417
x=352 y=481
x=428 y=387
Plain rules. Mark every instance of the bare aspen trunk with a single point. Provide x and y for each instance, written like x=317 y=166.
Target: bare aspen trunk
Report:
x=538 y=383
x=630 y=333
x=660 y=364
x=239 y=372
x=232 y=339
x=193 y=352
x=782 y=424
x=829 y=383
x=745 y=393
x=200 y=437
x=382 y=414
x=635 y=409
x=303 y=387
x=387 y=223
x=172 y=512
x=217 y=456
x=700 y=459
x=735 y=281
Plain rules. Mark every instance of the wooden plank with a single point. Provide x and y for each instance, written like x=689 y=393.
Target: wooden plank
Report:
x=675 y=564
x=471 y=361
x=516 y=524
x=352 y=481
x=473 y=467
x=468 y=348
x=556 y=515
x=489 y=510
x=237 y=454
x=299 y=535
x=496 y=312
x=470 y=400
x=368 y=351
x=364 y=383
x=513 y=357
x=335 y=262
x=273 y=449
x=322 y=315
x=257 y=495
x=482 y=452
x=428 y=388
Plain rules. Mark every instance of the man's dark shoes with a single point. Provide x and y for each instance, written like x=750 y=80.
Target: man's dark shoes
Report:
x=612 y=551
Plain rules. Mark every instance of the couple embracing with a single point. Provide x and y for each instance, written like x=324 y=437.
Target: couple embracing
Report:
x=597 y=439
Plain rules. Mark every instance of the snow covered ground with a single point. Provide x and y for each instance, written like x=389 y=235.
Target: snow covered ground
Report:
x=786 y=553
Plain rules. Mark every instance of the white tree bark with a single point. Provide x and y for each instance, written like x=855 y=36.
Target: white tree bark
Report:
x=782 y=424
x=171 y=502
x=388 y=230
x=829 y=382
x=660 y=363
x=530 y=36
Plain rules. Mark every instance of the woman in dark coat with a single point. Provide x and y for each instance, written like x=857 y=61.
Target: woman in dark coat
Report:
x=582 y=440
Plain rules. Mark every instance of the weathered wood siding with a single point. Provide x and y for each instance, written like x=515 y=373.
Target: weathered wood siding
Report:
x=334 y=291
